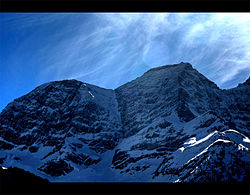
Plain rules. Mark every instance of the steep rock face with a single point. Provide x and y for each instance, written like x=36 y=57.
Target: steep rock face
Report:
x=163 y=91
x=171 y=124
x=60 y=122
x=166 y=107
x=236 y=107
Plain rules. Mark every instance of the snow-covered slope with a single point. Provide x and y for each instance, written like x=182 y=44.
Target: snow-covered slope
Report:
x=171 y=124
x=58 y=127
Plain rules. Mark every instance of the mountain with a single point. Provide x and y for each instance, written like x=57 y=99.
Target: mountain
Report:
x=171 y=124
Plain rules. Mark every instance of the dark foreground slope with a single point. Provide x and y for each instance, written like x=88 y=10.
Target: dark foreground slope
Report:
x=18 y=181
x=15 y=180
x=170 y=125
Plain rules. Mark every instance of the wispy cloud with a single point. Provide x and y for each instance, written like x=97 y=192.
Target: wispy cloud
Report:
x=111 y=49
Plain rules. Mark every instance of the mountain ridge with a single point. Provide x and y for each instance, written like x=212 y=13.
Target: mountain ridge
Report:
x=65 y=129
x=246 y=82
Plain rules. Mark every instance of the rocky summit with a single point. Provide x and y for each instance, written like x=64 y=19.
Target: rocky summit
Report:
x=171 y=124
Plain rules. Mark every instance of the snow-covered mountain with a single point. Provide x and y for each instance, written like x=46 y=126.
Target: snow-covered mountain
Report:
x=170 y=125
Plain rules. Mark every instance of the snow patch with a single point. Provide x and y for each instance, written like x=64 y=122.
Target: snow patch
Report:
x=181 y=149
x=203 y=139
x=206 y=149
x=241 y=147
x=246 y=139
x=91 y=94
x=191 y=141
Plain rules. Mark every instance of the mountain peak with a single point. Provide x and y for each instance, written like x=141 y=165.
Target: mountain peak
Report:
x=182 y=64
x=185 y=63
x=245 y=83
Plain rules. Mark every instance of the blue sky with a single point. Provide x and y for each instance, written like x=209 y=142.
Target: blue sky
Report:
x=110 y=49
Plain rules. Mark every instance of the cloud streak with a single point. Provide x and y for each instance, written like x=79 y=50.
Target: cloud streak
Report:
x=111 y=49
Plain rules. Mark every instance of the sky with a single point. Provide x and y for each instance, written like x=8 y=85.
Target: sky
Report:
x=110 y=49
